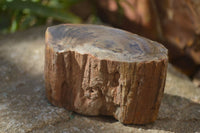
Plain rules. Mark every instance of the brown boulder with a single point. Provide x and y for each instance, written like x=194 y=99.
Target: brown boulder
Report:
x=174 y=23
x=138 y=16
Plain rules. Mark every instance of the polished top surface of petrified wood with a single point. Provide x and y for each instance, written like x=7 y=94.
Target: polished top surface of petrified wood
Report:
x=104 y=43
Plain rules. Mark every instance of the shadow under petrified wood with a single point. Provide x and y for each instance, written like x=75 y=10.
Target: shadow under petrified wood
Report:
x=98 y=70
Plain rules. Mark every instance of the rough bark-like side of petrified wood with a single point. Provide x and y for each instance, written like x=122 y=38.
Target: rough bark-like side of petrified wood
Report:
x=81 y=82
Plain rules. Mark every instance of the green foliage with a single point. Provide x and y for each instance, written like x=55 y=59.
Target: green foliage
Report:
x=21 y=14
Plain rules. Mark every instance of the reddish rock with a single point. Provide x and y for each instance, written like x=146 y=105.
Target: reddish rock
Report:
x=180 y=22
x=174 y=23
x=98 y=70
x=82 y=9
x=138 y=16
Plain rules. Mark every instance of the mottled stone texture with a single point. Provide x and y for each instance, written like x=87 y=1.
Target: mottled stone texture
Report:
x=93 y=78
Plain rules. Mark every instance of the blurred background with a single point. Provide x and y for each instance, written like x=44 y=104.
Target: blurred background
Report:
x=174 y=23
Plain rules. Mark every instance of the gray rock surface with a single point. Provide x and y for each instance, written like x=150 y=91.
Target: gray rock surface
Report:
x=24 y=107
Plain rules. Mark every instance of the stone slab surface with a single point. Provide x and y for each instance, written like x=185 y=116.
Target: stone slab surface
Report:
x=24 y=107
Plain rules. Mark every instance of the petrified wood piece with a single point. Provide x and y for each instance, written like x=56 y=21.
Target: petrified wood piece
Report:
x=98 y=70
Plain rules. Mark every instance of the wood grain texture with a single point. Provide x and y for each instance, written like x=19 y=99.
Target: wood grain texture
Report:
x=98 y=70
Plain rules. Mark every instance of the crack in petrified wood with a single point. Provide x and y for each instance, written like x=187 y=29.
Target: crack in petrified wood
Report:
x=126 y=83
